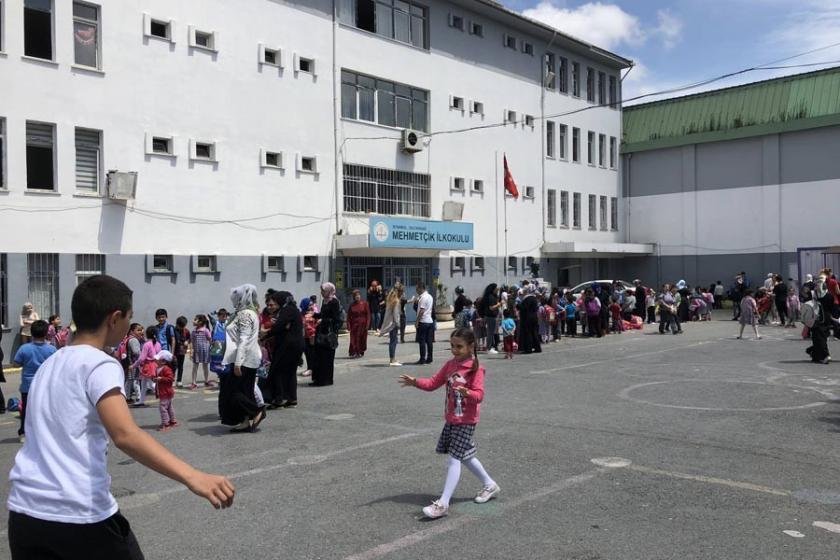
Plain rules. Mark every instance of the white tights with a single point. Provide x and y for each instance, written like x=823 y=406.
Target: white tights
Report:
x=453 y=475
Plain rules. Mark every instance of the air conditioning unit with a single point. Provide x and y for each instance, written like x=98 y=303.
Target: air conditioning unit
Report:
x=412 y=141
x=122 y=185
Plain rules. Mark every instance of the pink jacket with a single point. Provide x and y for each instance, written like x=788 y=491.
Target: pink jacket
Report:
x=147 y=354
x=457 y=374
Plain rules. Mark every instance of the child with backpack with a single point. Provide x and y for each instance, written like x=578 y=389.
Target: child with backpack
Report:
x=145 y=364
x=571 y=315
x=29 y=357
x=463 y=320
x=592 y=308
x=53 y=330
x=182 y=343
x=165 y=392
x=508 y=334
x=544 y=321
x=126 y=354
x=166 y=332
x=77 y=406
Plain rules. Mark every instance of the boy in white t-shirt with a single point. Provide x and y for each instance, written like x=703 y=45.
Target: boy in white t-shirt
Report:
x=60 y=505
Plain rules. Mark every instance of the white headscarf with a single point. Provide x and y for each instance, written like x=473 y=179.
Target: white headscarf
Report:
x=245 y=297
x=328 y=289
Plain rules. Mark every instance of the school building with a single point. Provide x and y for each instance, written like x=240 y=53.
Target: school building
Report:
x=188 y=147
x=738 y=179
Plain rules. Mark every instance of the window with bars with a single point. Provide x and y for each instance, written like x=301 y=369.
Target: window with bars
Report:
x=593 y=212
x=40 y=159
x=42 y=270
x=4 y=291
x=564 y=208
x=89 y=265
x=614 y=213
x=603 y=209
x=86 y=34
x=576 y=210
x=88 y=162
x=386 y=191
x=551 y=208
x=402 y=20
x=365 y=98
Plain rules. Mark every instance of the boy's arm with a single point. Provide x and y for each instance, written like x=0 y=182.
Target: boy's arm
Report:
x=142 y=447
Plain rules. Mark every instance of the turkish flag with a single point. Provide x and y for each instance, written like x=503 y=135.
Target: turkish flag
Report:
x=510 y=184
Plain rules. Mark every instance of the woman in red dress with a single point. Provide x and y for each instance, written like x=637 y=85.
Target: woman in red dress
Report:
x=358 y=320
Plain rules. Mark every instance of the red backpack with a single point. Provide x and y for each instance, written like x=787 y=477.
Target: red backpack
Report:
x=121 y=353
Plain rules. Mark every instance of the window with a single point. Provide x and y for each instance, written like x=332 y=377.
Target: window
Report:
x=476 y=29
x=386 y=191
x=37 y=28
x=510 y=116
x=271 y=159
x=603 y=208
x=456 y=21
x=86 y=34
x=457 y=184
x=477 y=185
x=613 y=151
x=563 y=75
x=550 y=77
x=602 y=150
x=575 y=144
x=614 y=213
x=529 y=120
x=202 y=39
x=456 y=103
x=528 y=48
x=458 y=263
x=478 y=263
x=529 y=192
x=562 y=134
x=551 y=208
x=307 y=164
x=304 y=64
x=602 y=88
x=310 y=263
x=576 y=210
x=576 y=79
x=2 y=153
x=593 y=209
x=564 y=208
x=590 y=84
x=161 y=264
x=512 y=264
x=89 y=265
x=43 y=282
x=274 y=264
x=549 y=139
x=477 y=108
x=160 y=145
x=162 y=29
x=204 y=263
x=590 y=148
x=40 y=159
x=401 y=20
x=203 y=151
x=370 y=99
x=510 y=41
x=270 y=56
x=613 y=92
x=88 y=160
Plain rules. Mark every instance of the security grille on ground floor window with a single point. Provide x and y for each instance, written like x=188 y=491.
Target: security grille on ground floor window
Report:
x=4 y=293
x=386 y=191
x=89 y=265
x=387 y=271
x=43 y=282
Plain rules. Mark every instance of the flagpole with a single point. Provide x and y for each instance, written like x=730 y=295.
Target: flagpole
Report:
x=499 y=270
x=504 y=203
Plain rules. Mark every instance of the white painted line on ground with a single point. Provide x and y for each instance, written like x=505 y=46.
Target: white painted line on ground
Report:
x=712 y=480
x=828 y=526
x=620 y=358
x=451 y=524
x=794 y=534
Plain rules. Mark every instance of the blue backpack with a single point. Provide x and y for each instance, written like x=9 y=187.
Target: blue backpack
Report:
x=13 y=405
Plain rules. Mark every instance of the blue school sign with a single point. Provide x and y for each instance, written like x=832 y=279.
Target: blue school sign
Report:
x=419 y=234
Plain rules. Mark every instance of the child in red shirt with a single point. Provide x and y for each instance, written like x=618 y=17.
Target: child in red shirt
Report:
x=464 y=380
x=615 y=312
x=165 y=392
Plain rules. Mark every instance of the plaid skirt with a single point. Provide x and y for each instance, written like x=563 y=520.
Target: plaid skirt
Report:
x=457 y=440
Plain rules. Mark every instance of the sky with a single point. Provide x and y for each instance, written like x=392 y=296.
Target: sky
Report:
x=677 y=43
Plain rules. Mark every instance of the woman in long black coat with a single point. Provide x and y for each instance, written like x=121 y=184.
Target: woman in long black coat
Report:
x=329 y=321
x=287 y=333
x=529 y=325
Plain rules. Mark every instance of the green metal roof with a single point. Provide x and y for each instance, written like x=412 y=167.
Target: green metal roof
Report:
x=784 y=104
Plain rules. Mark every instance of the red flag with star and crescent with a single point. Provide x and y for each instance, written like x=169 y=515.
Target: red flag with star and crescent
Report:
x=510 y=184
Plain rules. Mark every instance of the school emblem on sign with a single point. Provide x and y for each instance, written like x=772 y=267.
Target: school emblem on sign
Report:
x=380 y=232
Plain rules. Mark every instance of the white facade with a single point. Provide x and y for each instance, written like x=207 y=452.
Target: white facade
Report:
x=225 y=107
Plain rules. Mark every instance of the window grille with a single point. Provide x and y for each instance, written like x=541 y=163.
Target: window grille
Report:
x=43 y=282
x=386 y=191
x=89 y=265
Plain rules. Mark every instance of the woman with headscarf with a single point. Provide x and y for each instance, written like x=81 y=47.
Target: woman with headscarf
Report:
x=28 y=315
x=529 y=324
x=326 y=337
x=391 y=321
x=287 y=332
x=818 y=351
x=237 y=404
x=358 y=323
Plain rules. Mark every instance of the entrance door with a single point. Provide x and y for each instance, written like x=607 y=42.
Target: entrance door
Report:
x=373 y=273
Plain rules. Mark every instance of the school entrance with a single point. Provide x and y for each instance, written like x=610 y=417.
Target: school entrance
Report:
x=361 y=271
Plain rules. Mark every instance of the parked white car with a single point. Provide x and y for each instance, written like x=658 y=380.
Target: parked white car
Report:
x=605 y=285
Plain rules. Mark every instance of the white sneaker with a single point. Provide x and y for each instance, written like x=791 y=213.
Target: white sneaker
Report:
x=492 y=351
x=436 y=510
x=394 y=364
x=22 y=439
x=487 y=494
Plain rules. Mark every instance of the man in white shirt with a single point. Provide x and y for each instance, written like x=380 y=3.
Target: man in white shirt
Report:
x=425 y=323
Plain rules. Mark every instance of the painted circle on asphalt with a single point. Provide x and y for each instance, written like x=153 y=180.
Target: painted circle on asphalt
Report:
x=672 y=394
x=611 y=462
x=809 y=496
x=342 y=416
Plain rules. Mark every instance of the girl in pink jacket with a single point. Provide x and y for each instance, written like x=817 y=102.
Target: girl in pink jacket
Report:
x=464 y=380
